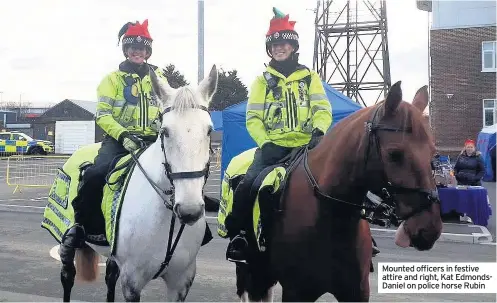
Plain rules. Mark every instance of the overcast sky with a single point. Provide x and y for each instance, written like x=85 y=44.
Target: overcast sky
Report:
x=54 y=49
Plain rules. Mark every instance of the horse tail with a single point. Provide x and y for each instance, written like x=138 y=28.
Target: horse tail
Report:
x=86 y=264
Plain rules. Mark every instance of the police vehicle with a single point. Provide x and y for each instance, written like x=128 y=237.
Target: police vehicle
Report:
x=13 y=142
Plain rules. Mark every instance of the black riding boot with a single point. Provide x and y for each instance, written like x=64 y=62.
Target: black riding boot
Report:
x=75 y=236
x=236 y=224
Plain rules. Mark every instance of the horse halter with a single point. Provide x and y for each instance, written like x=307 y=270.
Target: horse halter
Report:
x=169 y=174
x=372 y=129
x=180 y=175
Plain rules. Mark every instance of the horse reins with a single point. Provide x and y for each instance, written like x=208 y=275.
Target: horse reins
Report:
x=170 y=192
x=372 y=129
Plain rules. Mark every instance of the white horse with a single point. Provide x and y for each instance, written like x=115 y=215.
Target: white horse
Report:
x=180 y=156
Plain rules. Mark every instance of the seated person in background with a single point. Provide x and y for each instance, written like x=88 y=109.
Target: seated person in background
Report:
x=469 y=168
x=435 y=162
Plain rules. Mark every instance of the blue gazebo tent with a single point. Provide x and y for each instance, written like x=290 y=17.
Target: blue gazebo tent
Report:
x=486 y=145
x=236 y=138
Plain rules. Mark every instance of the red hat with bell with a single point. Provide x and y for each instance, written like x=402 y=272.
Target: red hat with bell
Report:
x=280 y=30
x=136 y=34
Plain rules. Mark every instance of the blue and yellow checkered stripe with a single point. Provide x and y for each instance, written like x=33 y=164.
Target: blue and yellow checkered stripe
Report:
x=13 y=146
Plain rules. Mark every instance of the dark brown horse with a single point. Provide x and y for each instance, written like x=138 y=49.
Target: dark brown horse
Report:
x=317 y=241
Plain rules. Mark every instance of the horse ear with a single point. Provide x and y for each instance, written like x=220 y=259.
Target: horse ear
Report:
x=420 y=100
x=208 y=86
x=161 y=88
x=394 y=98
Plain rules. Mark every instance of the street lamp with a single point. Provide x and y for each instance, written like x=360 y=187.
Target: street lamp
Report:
x=200 y=40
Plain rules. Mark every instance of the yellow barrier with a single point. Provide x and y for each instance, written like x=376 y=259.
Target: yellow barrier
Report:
x=32 y=171
x=217 y=157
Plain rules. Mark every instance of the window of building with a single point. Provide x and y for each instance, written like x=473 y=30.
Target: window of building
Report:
x=488 y=56
x=489 y=112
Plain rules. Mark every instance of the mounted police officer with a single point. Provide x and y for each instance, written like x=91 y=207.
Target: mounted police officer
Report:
x=287 y=108
x=127 y=111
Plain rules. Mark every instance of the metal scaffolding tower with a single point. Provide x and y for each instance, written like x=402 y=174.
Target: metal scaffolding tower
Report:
x=351 y=48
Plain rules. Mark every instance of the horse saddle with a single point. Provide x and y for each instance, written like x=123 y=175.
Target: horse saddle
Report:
x=288 y=163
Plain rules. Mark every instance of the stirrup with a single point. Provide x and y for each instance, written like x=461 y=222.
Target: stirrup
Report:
x=237 y=254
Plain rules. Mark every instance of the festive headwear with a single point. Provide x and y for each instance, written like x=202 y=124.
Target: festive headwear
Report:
x=281 y=29
x=469 y=141
x=136 y=34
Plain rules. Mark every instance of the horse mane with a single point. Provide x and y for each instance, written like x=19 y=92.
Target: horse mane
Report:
x=350 y=132
x=184 y=100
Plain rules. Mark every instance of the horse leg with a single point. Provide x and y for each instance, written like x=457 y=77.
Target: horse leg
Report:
x=351 y=294
x=269 y=295
x=178 y=286
x=111 y=276
x=71 y=240
x=132 y=283
x=295 y=294
x=67 y=274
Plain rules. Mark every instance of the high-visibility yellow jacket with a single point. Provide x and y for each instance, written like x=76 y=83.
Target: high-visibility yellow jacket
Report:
x=126 y=103
x=289 y=119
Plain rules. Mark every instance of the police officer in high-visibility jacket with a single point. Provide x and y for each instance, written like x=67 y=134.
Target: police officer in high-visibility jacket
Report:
x=127 y=111
x=287 y=109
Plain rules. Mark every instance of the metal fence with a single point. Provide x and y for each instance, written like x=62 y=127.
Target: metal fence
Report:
x=39 y=171
x=32 y=171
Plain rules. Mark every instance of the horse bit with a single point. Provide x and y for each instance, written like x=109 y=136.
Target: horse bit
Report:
x=388 y=203
x=170 y=192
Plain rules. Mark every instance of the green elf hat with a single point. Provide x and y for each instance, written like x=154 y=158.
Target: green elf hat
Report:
x=281 y=29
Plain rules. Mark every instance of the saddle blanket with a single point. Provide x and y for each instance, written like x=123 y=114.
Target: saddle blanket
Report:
x=59 y=214
x=237 y=168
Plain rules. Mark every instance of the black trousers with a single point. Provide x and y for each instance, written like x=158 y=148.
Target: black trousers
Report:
x=90 y=194
x=244 y=199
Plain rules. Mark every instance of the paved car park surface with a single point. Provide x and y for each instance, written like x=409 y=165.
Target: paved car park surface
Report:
x=29 y=272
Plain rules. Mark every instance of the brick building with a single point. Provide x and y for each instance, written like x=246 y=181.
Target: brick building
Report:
x=463 y=57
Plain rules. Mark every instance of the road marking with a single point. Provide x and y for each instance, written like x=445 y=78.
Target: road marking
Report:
x=489 y=243
x=22 y=206
x=54 y=253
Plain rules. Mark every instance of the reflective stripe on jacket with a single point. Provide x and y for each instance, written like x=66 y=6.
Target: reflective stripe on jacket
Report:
x=126 y=103
x=288 y=120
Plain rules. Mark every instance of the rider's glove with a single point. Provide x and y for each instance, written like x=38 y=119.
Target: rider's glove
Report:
x=131 y=142
x=317 y=134
x=156 y=125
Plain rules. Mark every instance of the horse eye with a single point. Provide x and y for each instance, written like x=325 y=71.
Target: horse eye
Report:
x=396 y=156
x=209 y=131
x=165 y=132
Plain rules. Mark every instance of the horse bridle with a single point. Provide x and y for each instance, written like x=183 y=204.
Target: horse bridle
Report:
x=372 y=129
x=167 y=166
x=170 y=192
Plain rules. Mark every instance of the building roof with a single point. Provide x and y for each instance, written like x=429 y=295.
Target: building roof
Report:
x=90 y=106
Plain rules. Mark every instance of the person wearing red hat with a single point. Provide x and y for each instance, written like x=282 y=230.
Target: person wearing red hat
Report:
x=127 y=111
x=287 y=109
x=469 y=168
